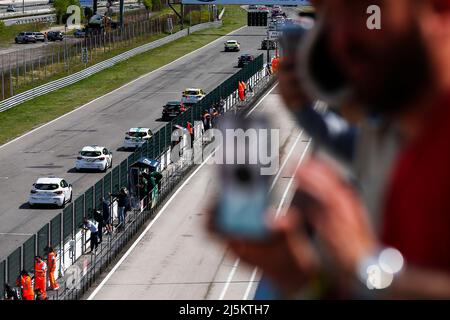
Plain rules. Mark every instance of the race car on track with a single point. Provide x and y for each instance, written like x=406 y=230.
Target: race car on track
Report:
x=136 y=137
x=244 y=60
x=232 y=45
x=50 y=191
x=172 y=109
x=94 y=158
x=191 y=96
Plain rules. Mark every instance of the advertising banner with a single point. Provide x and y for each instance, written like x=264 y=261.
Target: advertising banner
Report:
x=86 y=3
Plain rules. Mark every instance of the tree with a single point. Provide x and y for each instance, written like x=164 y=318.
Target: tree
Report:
x=88 y=13
x=148 y=4
x=157 y=6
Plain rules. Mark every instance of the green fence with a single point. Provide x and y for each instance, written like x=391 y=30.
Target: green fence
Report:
x=66 y=225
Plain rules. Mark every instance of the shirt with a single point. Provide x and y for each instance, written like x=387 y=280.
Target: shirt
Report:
x=417 y=209
x=92 y=227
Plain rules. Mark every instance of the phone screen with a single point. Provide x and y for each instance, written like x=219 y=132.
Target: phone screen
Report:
x=243 y=194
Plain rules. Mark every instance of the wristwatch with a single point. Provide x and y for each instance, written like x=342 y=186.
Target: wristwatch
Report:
x=378 y=269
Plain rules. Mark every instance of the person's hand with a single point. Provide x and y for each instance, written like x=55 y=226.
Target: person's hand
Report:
x=341 y=222
x=289 y=84
x=286 y=257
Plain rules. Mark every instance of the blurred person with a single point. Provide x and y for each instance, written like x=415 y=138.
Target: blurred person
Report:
x=40 y=275
x=51 y=265
x=415 y=217
x=362 y=143
x=414 y=37
x=89 y=225
x=25 y=284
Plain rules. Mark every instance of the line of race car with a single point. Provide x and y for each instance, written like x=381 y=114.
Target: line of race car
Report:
x=57 y=191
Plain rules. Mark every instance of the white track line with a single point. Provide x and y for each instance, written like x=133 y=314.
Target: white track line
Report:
x=249 y=287
x=230 y=277
x=125 y=85
x=260 y=101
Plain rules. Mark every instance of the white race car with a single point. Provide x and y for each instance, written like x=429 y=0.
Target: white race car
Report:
x=50 y=190
x=94 y=157
x=136 y=137
x=232 y=45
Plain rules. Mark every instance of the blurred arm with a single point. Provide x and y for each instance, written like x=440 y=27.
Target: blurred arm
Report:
x=329 y=130
x=417 y=283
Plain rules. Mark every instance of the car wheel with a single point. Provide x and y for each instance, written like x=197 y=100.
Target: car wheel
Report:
x=70 y=199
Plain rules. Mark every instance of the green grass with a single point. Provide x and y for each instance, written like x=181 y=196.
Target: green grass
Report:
x=38 y=111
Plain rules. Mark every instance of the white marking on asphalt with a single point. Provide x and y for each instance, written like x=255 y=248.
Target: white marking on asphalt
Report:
x=230 y=277
x=249 y=287
x=227 y=284
x=291 y=180
x=260 y=101
x=125 y=85
x=286 y=161
x=15 y=234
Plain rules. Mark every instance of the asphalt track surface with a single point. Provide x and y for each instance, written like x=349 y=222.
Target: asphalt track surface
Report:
x=175 y=258
x=52 y=148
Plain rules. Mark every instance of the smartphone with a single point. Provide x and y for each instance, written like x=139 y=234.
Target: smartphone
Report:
x=244 y=191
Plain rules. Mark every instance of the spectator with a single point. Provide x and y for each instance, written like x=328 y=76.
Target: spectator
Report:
x=25 y=284
x=107 y=216
x=51 y=265
x=206 y=118
x=40 y=275
x=122 y=203
x=98 y=217
x=89 y=225
x=11 y=293
x=221 y=105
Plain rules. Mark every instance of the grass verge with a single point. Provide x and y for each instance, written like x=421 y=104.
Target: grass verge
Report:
x=38 y=111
